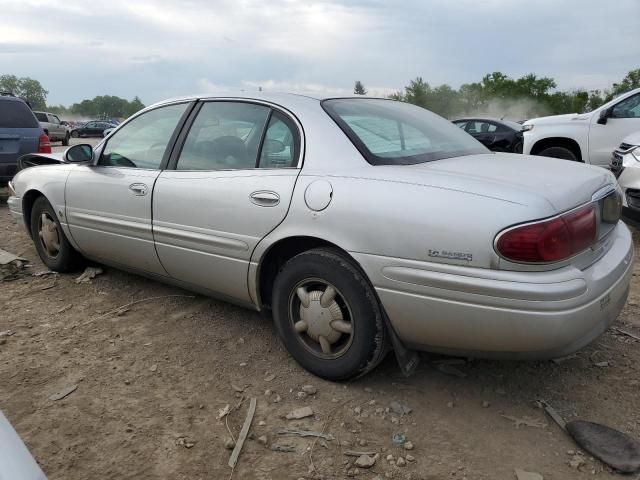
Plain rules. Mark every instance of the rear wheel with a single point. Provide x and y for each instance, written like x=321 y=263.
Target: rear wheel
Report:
x=51 y=243
x=328 y=316
x=75 y=134
x=559 y=152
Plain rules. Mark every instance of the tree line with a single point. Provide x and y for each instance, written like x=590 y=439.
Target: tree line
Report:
x=496 y=92
x=102 y=106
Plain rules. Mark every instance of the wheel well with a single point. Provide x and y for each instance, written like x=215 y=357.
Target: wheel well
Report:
x=564 y=142
x=27 y=206
x=279 y=254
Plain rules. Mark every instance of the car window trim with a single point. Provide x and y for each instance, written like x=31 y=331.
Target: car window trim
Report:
x=172 y=140
x=298 y=133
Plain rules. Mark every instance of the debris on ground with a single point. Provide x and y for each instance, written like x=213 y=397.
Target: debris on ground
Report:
x=401 y=462
x=306 y=433
x=224 y=411
x=309 y=389
x=153 y=367
x=10 y=265
x=366 y=461
x=354 y=453
x=269 y=378
x=263 y=440
x=524 y=475
x=408 y=445
x=400 y=408
x=243 y=433
x=526 y=421
x=627 y=333
x=283 y=448
x=299 y=413
x=451 y=370
x=63 y=393
x=184 y=442
x=89 y=274
x=399 y=439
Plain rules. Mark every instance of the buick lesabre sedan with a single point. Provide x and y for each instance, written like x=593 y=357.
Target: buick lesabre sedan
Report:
x=361 y=224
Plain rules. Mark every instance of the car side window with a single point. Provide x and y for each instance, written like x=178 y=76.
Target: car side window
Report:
x=280 y=145
x=89 y=125
x=462 y=125
x=142 y=142
x=627 y=108
x=224 y=136
x=42 y=117
x=481 y=127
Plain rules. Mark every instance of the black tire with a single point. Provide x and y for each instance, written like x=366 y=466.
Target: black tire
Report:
x=518 y=147
x=67 y=258
x=559 y=152
x=366 y=345
x=75 y=134
x=65 y=140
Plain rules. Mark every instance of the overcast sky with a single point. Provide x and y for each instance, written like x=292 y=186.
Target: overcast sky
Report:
x=159 y=49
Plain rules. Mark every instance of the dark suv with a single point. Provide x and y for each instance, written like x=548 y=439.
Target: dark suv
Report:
x=20 y=133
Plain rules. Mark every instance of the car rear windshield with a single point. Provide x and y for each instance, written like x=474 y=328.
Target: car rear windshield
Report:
x=394 y=133
x=16 y=114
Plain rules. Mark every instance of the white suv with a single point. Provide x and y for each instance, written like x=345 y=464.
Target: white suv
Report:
x=588 y=137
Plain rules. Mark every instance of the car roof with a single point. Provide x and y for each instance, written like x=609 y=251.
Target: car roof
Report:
x=285 y=99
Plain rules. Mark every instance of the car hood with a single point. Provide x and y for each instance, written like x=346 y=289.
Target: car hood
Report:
x=633 y=139
x=36 y=159
x=552 y=184
x=557 y=119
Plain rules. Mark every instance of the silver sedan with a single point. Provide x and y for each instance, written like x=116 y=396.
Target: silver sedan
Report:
x=360 y=224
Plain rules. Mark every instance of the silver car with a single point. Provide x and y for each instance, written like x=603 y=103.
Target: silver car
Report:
x=361 y=224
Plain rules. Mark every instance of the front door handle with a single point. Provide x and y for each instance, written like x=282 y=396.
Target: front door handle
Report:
x=265 y=198
x=139 y=189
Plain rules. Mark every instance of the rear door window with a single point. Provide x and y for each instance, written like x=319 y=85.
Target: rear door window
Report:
x=16 y=114
x=281 y=143
x=224 y=136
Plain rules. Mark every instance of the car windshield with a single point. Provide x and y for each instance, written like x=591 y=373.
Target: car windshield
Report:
x=395 y=133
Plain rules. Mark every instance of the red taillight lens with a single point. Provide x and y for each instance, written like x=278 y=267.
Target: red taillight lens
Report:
x=550 y=240
x=44 y=145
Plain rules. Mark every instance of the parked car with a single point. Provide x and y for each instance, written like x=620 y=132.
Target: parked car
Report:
x=359 y=223
x=496 y=135
x=588 y=137
x=94 y=128
x=20 y=133
x=53 y=127
x=625 y=164
x=16 y=461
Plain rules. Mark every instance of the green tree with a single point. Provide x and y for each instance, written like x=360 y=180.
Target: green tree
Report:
x=27 y=88
x=359 y=89
x=107 y=106
x=629 y=82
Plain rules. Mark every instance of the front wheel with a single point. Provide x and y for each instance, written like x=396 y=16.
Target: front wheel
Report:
x=75 y=134
x=51 y=243
x=559 y=152
x=328 y=316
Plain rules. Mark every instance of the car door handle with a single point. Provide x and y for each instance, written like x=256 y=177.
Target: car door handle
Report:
x=139 y=189
x=265 y=198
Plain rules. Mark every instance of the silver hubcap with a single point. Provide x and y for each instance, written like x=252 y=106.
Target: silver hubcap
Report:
x=321 y=318
x=49 y=235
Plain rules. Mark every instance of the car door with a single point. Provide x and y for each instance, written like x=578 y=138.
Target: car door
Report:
x=108 y=205
x=230 y=185
x=54 y=126
x=482 y=131
x=624 y=120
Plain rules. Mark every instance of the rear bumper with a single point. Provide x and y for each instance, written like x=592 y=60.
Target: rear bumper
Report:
x=501 y=314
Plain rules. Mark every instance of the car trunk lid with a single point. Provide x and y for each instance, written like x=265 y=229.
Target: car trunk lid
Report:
x=521 y=178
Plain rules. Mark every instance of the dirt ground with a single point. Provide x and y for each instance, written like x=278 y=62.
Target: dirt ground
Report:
x=152 y=377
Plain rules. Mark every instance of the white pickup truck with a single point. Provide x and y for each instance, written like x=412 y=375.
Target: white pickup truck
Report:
x=587 y=137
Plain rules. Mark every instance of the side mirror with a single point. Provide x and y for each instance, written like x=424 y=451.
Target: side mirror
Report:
x=604 y=115
x=78 y=154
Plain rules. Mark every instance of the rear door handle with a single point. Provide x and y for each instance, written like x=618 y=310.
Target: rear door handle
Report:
x=265 y=198
x=139 y=189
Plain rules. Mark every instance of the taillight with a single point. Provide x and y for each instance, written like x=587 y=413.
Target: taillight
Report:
x=550 y=240
x=44 y=145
